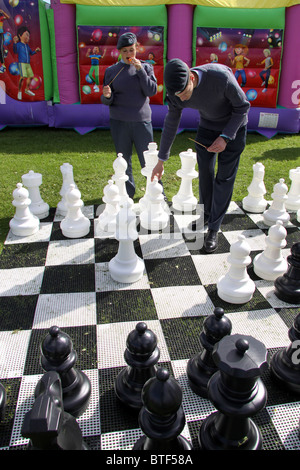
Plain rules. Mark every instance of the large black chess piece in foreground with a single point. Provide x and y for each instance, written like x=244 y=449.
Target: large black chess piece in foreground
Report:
x=141 y=355
x=162 y=418
x=201 y=367
x=285 y=364
x=3 y=401
x=47 y=425
x=287 y=286
x=58 y=355
x=238 y=393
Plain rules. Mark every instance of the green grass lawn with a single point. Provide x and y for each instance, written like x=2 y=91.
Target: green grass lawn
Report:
x=44 y=149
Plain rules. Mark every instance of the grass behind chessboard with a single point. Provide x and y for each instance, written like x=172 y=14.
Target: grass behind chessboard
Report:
x=44 y=149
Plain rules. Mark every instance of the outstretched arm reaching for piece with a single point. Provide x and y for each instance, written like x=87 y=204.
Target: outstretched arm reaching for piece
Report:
x=158 y=170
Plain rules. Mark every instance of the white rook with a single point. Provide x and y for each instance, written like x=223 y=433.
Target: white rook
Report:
x=33 y=181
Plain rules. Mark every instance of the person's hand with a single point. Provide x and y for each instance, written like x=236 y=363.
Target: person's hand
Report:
x=137 y=63
x=217 y=146
x=158 y=170
x=107 y=91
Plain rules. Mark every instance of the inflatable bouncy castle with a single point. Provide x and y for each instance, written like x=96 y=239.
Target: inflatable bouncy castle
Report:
x=53 y=56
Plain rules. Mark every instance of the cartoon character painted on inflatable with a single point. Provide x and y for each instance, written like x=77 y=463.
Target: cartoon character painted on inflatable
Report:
x=22 y=49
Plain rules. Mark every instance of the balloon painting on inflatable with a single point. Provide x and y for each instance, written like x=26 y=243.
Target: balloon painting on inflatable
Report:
x=53 y=56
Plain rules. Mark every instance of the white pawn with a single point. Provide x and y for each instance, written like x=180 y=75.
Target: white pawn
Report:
x=277 y=210
x=184 y=200
x=154 y=217
x=151 y=159
x=120 y=178
x=75 y=224
x=126 y=266
x=236 y=286
x=24 y=223
x=293 y=196
x=298 y=215
x=270 y=264
x=107 y=219
x=38 y=207
x=255 y=201
x=68 y=179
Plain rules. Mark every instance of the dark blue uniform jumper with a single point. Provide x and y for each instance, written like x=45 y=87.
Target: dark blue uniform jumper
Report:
x=130 y=112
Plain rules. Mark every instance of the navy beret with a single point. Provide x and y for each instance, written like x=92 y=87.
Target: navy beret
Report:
x=126 y=39
x=176 y=76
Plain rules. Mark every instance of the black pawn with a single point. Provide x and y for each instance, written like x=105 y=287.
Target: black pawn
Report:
x=141 y=355
x=237 y=392
x=285 y=364
x=287 y=286
x=47 y=425
x=162 y=418
x=58 y=355
x=201 y=367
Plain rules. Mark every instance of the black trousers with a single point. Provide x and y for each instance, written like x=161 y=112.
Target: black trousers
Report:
x=125 y=135
x=216 y=188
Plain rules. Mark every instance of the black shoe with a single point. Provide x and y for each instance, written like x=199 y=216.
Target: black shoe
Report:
x=211 y=241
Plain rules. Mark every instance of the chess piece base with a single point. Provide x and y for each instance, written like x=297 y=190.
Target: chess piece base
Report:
x=128 y=395
x=75 y=230
x=210 y=439
x=287 y=377
x=76 y=399
x=287 y=290
x=274 y=269
x=26 y=228
x=126 y=271
x=255 y=208
x=237 y=292
x=179 y=444
x=198 y=377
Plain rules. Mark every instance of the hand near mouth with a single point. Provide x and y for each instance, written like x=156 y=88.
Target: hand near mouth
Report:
x=134 y=61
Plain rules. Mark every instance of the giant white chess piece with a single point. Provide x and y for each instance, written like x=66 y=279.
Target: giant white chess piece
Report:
x=24 y=223
x=68 y=179
x=236 y=286
x=184 y=200
x=255 y=201
x=75 y=224
x=107 y=219
x=38 y=207
x=120 y=178
x=154 y=217
x=270 y=264
x=277 y=209
x=293 y=197
x=126 y=266
x=151 y=159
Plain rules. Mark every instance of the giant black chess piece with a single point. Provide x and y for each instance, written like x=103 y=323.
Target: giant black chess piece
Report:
x=201 y=367
x=287 y=286
x=285 y=364
x=141 y=355
x=162 y=417
x=238 y=393
x=58 y=355
x=47 y=425
x=3 y=401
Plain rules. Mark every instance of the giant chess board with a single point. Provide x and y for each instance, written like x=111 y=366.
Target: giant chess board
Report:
x=47 y=279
